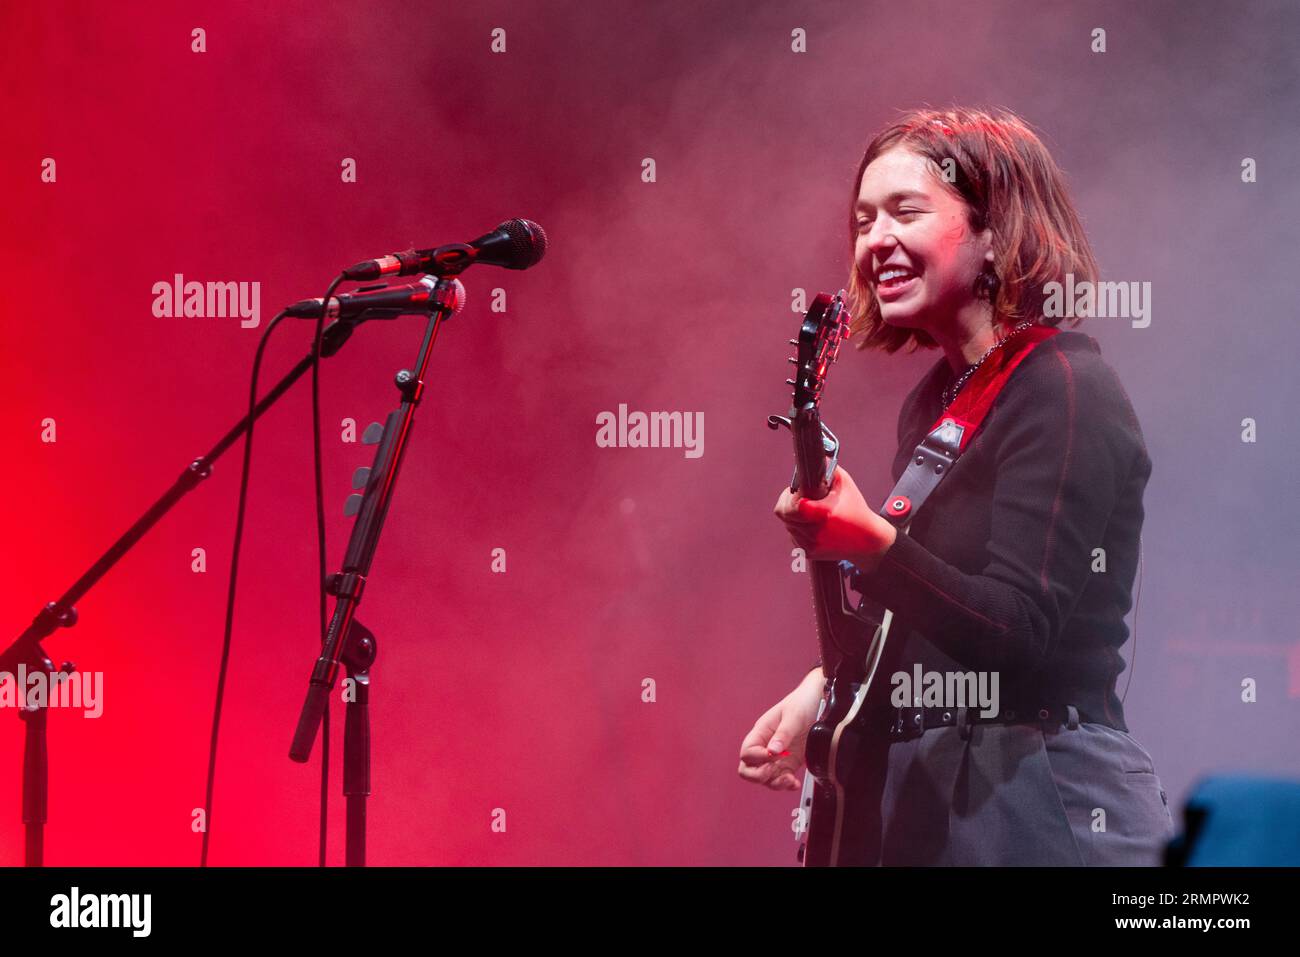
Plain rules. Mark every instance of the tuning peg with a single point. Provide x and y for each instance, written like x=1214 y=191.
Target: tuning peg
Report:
x=374 y=432
x=790 y=382
x=360 y=476
x=792 y=359
x=352 y=505
x=794 y=342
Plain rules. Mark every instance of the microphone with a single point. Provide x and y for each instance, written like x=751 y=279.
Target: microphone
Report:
x=384 y=302
x=516 y=244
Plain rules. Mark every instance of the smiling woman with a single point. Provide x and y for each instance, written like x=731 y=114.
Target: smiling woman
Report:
x=932 y=185
x=1020 y=564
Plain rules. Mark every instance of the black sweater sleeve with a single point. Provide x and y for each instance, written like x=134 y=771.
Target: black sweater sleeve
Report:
x=1059 y=445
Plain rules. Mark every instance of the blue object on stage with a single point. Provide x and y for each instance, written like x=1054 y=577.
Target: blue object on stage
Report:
x=1239 y=821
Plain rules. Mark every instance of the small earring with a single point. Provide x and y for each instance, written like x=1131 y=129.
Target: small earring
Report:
x=986 y=285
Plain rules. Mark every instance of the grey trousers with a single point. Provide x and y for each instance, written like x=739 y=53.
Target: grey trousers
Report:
x=1022 y=795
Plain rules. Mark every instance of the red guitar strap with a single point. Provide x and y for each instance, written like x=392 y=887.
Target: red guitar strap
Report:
x=953 y=431
x=948 y=438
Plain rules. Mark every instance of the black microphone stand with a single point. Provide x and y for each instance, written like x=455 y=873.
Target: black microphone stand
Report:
x=345 y=640
x=26 y=651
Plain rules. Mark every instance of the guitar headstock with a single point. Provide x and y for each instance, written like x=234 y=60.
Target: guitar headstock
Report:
x=816 y=448
x=820 y=333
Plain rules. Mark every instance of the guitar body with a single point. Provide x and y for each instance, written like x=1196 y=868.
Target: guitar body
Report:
x=845 y=753
x=846 y=748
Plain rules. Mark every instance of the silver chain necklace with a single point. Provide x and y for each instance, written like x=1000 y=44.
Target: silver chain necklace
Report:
x=950 y=393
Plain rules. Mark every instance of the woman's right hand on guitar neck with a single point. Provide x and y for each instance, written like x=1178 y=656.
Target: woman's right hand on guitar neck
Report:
x=773 y=751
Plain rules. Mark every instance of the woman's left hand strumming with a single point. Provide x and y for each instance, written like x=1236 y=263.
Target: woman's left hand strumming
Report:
x=839 y=526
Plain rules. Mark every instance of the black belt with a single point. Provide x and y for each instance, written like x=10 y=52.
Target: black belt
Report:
x=908 y=723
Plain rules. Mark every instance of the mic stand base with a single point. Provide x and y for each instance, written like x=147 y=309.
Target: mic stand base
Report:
x=358 y=655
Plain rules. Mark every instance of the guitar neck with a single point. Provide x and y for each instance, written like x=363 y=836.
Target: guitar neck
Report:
x=812 y=476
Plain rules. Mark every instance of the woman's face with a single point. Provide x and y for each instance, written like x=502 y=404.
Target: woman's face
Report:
x=907 y=218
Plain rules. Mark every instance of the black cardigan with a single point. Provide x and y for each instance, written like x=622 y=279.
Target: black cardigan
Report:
x=997 y=573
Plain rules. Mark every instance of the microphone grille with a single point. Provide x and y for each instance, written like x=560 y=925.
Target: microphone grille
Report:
x=458 y=296
x=527 y=242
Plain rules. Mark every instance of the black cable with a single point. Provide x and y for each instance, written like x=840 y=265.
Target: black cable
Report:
x=230 y=593
x=320 y=546
x=1137 y=599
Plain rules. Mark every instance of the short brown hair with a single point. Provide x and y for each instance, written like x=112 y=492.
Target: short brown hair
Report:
x=1010 y=182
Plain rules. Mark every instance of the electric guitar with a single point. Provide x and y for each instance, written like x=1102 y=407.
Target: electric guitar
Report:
x=852 y=640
